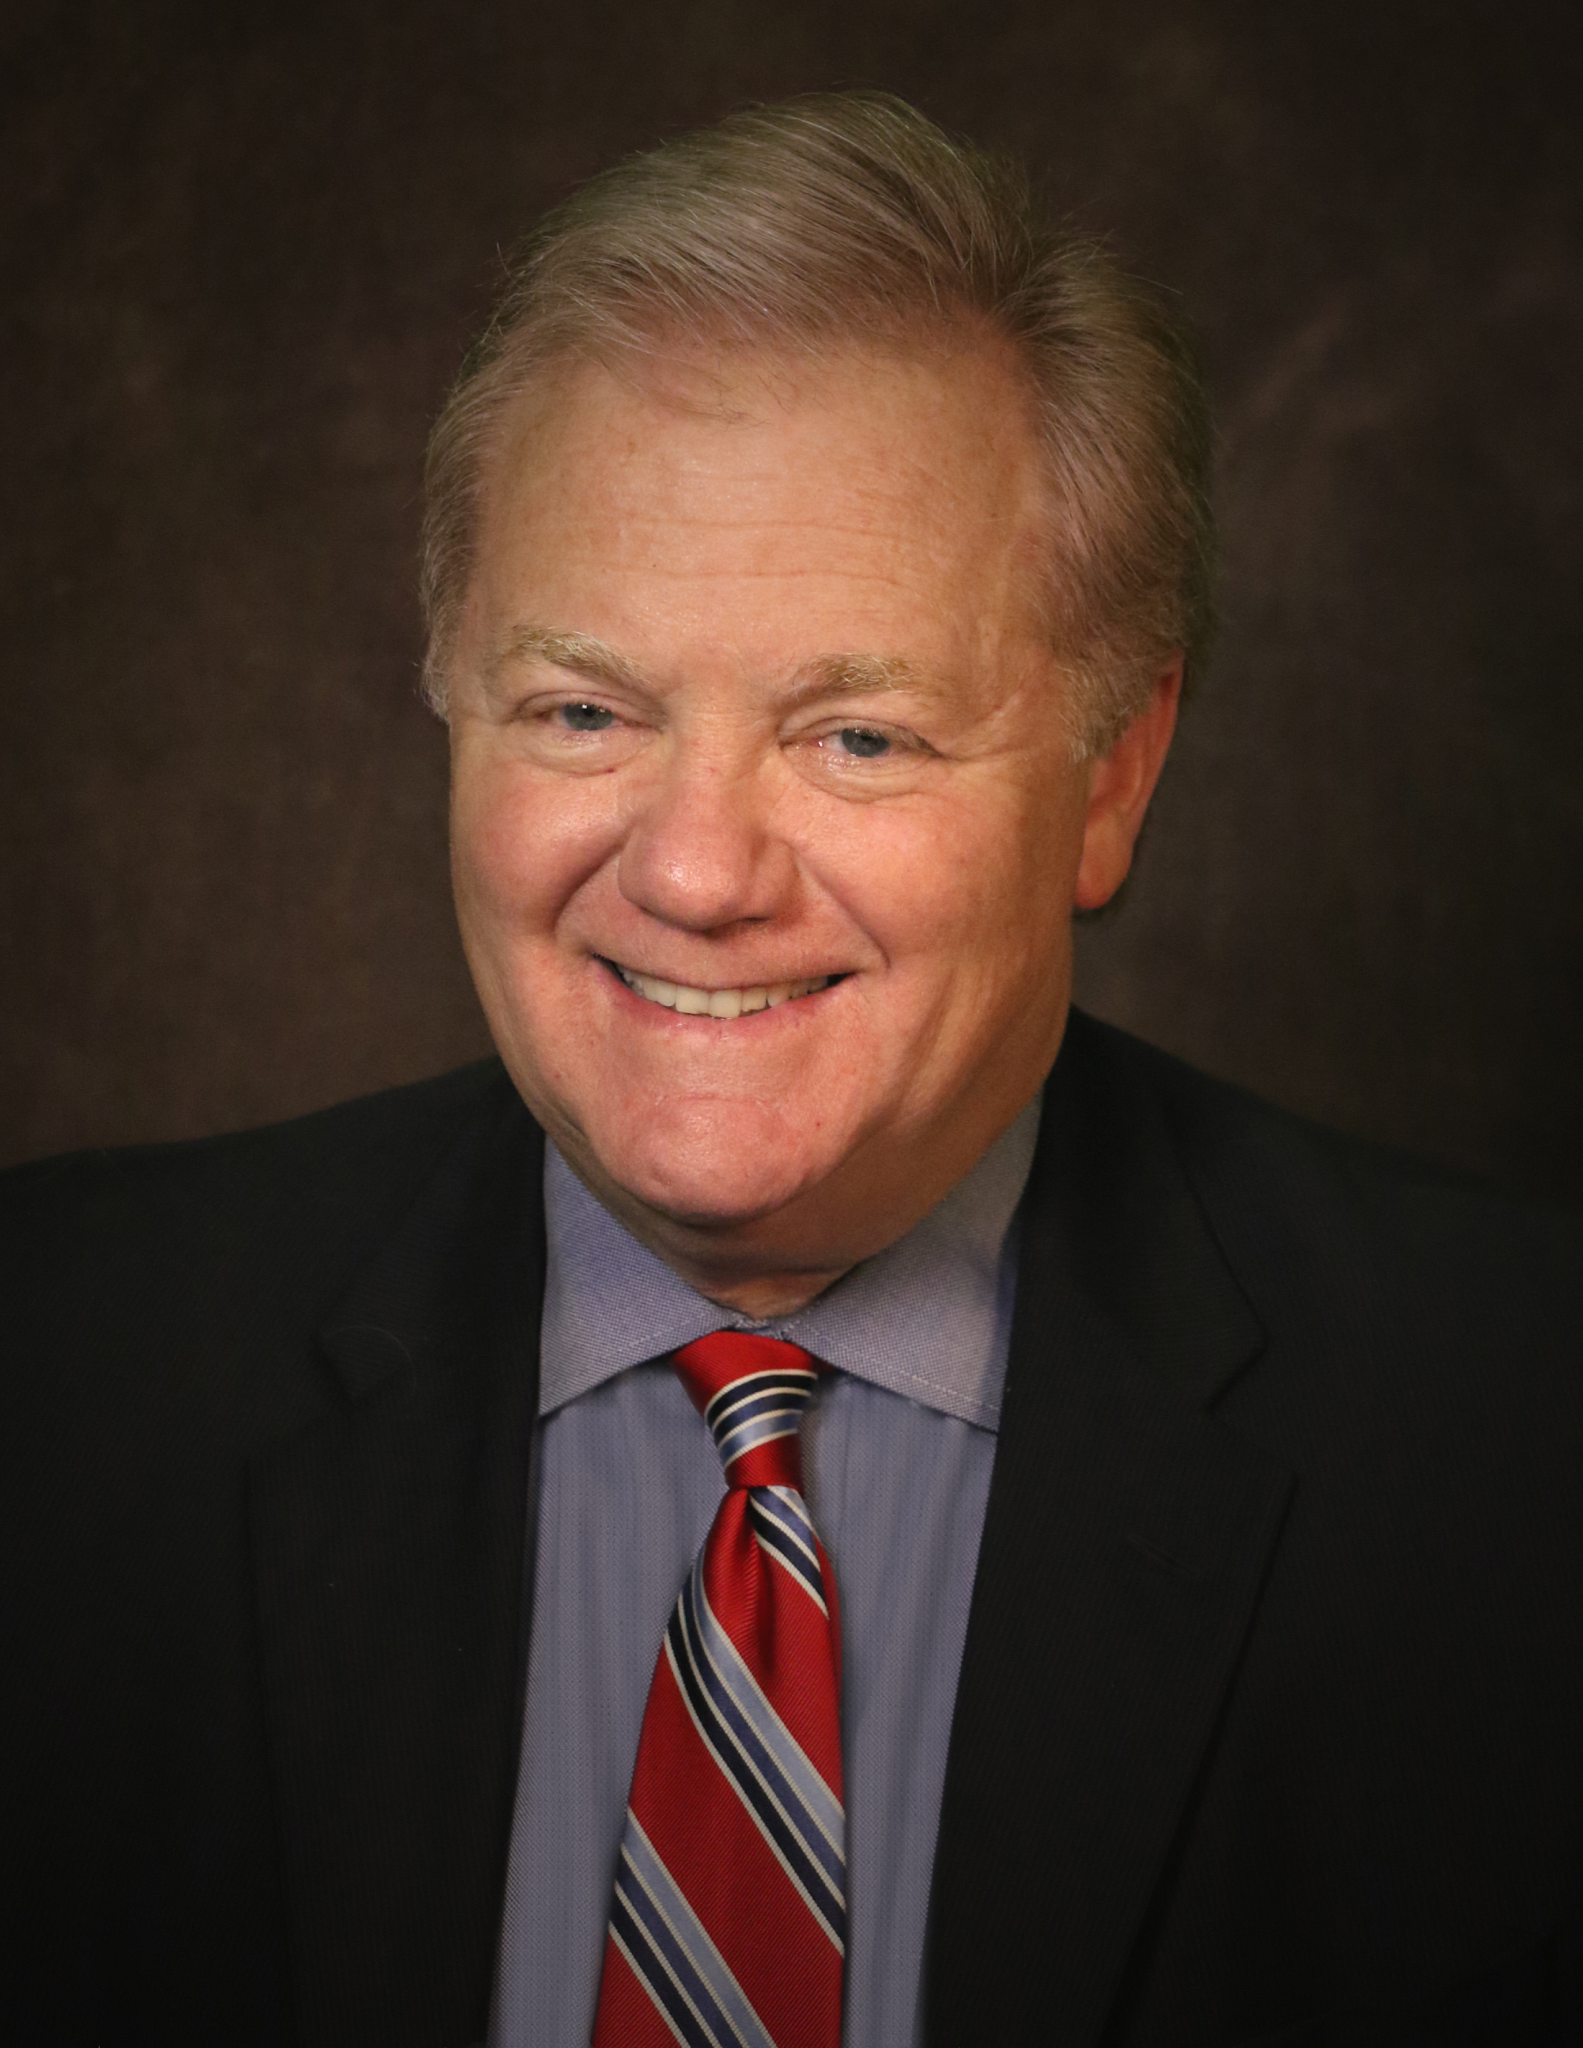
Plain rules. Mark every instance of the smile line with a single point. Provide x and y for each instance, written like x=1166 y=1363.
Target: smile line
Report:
x=726 y=1003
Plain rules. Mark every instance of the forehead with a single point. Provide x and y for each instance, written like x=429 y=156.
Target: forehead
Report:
x=874 y=486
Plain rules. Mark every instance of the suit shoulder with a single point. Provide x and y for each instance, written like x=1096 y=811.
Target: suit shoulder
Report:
x=1290 y=1198
x=318 y=1185
x=366 y=1124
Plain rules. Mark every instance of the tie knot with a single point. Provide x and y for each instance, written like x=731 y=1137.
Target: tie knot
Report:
x=752 y=1392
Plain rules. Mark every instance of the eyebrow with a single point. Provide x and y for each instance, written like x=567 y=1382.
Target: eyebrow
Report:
x=826 y=675
x=579 y=653
x=863 y=674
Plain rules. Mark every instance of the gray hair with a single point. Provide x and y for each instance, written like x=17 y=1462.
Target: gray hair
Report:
x=843 y=218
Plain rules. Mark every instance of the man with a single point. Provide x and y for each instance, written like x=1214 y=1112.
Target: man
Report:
x=1191 y=1543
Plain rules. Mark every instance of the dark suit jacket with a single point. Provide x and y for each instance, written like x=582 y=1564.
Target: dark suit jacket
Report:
x=1270 y=1724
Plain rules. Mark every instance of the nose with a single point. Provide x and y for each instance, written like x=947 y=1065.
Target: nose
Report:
x=701 y=853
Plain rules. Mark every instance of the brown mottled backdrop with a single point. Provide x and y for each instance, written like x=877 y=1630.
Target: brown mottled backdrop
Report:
x=242 y=249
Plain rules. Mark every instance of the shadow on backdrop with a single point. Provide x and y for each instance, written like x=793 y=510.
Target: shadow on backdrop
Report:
x=242 y=256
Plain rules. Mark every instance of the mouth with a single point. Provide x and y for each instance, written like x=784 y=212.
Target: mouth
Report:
x=725 y=1003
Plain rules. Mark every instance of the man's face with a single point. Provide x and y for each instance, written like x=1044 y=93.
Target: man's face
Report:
x=765 y=820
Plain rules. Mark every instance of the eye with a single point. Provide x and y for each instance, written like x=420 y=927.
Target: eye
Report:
x=586 y=717
x=862 y=742
x=861 y=762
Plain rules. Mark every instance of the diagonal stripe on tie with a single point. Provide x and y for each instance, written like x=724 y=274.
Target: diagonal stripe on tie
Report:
x=780 y=1789
x=734 y=1685
x=674 y=1945
x=729 y=1871
x=762 y=1408
x=752 y=1387
x=781 y=1524
x=728 y=1915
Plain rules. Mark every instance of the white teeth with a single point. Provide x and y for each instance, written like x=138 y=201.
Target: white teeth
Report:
x=726 y=1003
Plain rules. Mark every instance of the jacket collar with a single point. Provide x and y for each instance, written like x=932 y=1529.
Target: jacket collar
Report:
x=389 y=1555
x=1127 y=1536
x=1119 y=1211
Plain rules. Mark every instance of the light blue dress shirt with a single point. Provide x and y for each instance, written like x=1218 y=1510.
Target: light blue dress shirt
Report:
x=897 y=1450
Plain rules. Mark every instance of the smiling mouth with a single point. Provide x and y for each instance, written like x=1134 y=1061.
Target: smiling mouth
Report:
x=726 y=1003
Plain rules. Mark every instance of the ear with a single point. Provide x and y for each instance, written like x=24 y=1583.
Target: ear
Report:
x=1119 y=788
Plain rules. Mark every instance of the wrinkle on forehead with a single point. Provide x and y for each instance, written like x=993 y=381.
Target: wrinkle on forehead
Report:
x=572 y=439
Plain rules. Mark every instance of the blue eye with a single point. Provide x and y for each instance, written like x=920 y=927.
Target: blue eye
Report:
x=865 y=744
x=587 y=717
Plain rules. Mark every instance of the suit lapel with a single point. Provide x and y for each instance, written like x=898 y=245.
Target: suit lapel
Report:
x=389 y=1553
x=1126 y=1540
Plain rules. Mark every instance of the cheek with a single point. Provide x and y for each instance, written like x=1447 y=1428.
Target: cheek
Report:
x=523 y=847
x=955 y=885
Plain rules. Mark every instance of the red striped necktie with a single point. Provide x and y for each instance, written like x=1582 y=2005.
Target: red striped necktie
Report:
x=728 y=1924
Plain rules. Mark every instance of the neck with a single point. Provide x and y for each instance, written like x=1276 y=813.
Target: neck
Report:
x=748 y=1269
x=767 y=1297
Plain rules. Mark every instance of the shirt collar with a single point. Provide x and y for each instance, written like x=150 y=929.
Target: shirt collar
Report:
x=928 y=1317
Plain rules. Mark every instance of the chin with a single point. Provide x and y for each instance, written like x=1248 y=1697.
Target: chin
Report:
x=717 y=1164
